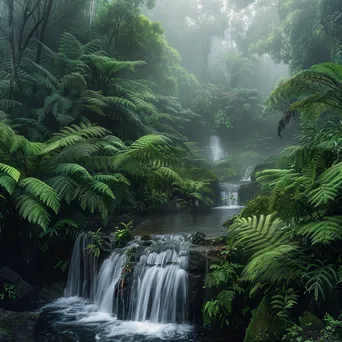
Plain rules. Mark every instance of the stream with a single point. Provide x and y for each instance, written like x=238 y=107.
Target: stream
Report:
x=102 y=304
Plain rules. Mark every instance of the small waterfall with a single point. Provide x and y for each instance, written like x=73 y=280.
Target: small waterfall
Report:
x=229 y=195
x=216 y=149
x=160 y=290
x=109 y=276
x=82 y=270
x=248 y=174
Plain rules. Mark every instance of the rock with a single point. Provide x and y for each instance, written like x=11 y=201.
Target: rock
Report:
x=248 y=191
x=311 y=320
x=199 y=238
x=262 y=326
x=198 y=261
x=22 y=293
x=17 y=326
x=146 y=238
x=51 y=292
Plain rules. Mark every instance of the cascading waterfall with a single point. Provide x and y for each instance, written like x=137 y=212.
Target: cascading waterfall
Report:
x=82 y=270
x=229 y=195
x=160 y=291
x=216 y=149
x=248 y=174
x=109 y=275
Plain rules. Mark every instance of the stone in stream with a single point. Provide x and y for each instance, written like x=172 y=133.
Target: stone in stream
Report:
x=21 y=295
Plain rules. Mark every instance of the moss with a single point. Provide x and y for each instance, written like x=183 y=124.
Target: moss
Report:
x=262 y=326
x=19 y=325
x=310 y=319
x=4 y=332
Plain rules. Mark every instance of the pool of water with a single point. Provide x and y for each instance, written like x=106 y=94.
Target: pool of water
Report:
x=209 y=223
x=76 y=319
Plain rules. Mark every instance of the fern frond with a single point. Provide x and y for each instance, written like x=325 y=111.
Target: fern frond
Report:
x=41 y=190
x=324 y=231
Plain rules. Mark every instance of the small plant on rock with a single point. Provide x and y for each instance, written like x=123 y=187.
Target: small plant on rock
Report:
x=8 y=292
x=95 y=246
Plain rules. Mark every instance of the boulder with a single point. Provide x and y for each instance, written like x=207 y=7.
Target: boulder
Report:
x=248 y=191
x=51 y=292
x=17 y=326
x=21 y=295
x=199 y=238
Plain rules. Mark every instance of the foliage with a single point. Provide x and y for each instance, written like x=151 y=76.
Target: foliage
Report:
x=220 y=308
x=95 y=246
x=123 y=234
x=8 y=292
x=331 y=332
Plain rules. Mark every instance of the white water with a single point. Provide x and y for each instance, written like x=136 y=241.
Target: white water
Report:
x=216 y=148
x=248 y=174
x=74 y=312
x=82 y=270
x=109 y=275
x=229 y=196
x=158 y=295
x=160 y=288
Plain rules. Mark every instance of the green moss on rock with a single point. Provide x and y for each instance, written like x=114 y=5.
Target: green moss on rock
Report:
x=310 y=319
x=262 y=326
x=19 y=325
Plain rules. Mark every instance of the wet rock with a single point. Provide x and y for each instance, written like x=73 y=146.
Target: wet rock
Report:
x=248 y=191
x=45 y=331
x=17 y=326
x=51 y=292
x=146 y=238
x=18 y=294
x=199 y=238
x=198 y=261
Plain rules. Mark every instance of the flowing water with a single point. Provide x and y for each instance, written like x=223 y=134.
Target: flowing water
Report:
x=209 y=223
x=216 y=148
x=248 y=174
x=156 y=307
x=230 y=196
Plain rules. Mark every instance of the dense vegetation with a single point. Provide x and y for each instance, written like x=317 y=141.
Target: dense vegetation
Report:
x=107 y=108
x=283 y=255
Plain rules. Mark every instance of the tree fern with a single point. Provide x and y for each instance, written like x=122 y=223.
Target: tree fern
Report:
x=320 y=278
x=33 y=210
x=42 y=191
x=10 y=171
x=258 y=236
x=316 y=91
x=325 y=231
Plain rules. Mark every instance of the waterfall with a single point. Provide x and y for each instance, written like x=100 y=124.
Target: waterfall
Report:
x=160 y=290
x=82 y=270
x=229 y=195
x=216 y=149
x=109 y=275
x=248 y=174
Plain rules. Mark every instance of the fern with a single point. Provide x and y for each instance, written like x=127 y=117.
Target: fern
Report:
x=258 y=236
x=283 y=302
x=320 y=278
x=325 y=231
x=33 y=210
x=42 y=191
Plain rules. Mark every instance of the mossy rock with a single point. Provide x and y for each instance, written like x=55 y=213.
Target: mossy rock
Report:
x=146 y=238
x=18 y=325
x=310 y=319
x=262 y=326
